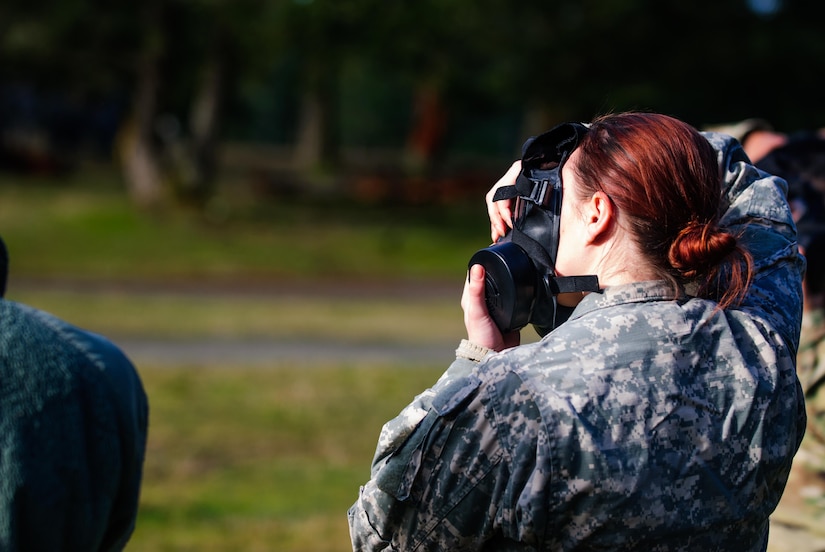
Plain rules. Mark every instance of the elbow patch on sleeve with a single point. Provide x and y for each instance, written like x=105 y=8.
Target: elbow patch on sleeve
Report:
x=396 y=477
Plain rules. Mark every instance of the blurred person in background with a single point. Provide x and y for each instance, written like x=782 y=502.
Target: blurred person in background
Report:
x=661 y=411
x=756 y=135
x=73 y=428
x=798 y=524
x=798 y=155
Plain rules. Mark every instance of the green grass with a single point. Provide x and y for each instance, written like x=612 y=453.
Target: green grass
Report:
x=73 y=230
x=263 y=459
x=246 y=457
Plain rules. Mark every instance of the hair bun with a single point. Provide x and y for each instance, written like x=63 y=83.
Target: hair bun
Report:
x=699 y=248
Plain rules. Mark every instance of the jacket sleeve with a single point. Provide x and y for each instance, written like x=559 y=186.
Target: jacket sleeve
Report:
x=434 y=474
x=755 y=207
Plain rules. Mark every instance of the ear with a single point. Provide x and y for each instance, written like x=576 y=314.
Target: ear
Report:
x=599 y=216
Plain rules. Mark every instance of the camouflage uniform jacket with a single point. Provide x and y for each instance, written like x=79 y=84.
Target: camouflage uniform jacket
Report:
x=648 y=421
x=803 y=503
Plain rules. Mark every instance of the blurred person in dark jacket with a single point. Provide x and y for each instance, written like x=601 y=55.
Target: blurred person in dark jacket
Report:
x=73 y=428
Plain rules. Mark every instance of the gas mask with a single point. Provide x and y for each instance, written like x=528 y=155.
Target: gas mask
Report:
x=520 y=278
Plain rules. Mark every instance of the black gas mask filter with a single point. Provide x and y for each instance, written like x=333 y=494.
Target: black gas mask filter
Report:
x=520 y=279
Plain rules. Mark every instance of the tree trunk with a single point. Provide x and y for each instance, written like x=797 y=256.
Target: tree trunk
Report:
x=137 y=152
x=317 y=143
x=204 y=126
x=136 y=148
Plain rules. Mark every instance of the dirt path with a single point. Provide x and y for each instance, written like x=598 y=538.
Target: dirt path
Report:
x=259 y=352
x=242 y=352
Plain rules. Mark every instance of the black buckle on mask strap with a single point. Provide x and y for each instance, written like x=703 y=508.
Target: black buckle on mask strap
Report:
x=523 y=187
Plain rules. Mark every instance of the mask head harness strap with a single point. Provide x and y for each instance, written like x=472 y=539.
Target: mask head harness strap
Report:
x=537 y=209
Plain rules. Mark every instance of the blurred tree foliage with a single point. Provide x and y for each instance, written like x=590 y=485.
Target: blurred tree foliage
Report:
x=429 y=78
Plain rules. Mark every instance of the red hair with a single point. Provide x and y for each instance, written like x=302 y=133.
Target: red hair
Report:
x=664 y=179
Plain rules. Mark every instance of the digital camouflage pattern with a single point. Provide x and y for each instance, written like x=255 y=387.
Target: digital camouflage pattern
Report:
x=647 y=421
x=798 y=524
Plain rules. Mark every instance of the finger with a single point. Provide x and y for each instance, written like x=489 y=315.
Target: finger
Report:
x=477 y=280
x=499 y=211
x=473 y=296
x=506 y=213
x=501 y=219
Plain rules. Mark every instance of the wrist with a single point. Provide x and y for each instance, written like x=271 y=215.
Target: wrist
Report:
x=471 y=351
